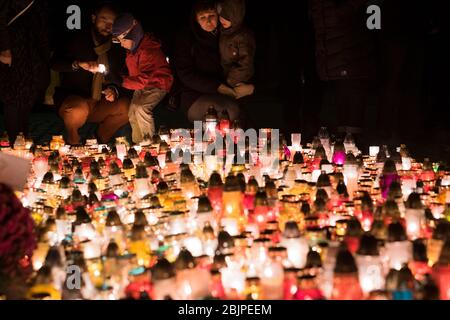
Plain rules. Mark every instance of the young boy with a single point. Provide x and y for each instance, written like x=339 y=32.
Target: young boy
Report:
x=149 y=74
x=237 y=47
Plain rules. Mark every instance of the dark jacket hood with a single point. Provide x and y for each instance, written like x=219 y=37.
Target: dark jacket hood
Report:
x=234 y=11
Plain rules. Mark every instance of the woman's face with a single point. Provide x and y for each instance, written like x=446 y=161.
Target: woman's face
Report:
x=207 y=20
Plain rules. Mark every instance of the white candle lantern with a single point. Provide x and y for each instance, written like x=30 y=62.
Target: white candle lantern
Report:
x=233 y=279
x=398 y=253
x=296 y=139
x=297 y=250
x=370 y=271
x=92 y=249
x=373 y=151
x=194 y=246
x=63 y=228
x=414 y=219
x=351 y=178
x=230 y=225
x=272 y=279
x=85 y=231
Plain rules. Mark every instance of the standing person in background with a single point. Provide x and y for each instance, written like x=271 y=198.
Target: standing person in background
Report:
x=24 y=60
x=402 y=48
x=237 y=47
x=149 y=74
x=344 y=56
x=198 y=66
x=86 y=94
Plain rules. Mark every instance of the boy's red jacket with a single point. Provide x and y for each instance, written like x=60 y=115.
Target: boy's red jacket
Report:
x=148 y=67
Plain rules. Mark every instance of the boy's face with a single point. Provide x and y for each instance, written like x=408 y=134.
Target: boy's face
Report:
x=126 y=43
x=226 y=24
x=207 y=20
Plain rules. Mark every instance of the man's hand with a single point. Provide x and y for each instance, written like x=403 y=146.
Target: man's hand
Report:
x=243 y=90
x=6 y=57
x=110 y=94
x=226 y=90
x=91 y=66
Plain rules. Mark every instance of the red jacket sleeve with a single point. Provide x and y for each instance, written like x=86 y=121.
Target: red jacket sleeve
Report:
x=154 y=71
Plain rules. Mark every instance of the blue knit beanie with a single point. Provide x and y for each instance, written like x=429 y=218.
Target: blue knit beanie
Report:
x=123 y=23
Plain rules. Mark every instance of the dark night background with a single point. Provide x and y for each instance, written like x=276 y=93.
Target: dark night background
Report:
x=285 y=56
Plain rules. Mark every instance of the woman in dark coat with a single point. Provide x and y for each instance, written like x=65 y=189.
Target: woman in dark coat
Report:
x=24 y=66
x=197 y=66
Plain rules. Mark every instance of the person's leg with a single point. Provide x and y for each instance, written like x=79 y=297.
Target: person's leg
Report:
x=110 y=116
x=11 y=121
x=141 y=112
x=74 y=111
x=220 y=102
x=351 y=103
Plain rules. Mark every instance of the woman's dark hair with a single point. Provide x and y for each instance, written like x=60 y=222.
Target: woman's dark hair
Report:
x=203 y=5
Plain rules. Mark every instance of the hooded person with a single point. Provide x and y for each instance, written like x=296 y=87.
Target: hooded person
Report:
x=149 y=74
x=237 y=44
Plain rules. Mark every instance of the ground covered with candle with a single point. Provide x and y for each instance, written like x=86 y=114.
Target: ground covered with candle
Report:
x=317 y=220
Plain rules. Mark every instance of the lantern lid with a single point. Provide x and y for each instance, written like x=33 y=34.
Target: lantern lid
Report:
x=345 y=263
x=277 y=249
x=162 y=270
x=132 y=153
x=298 y=158
x=211 y=114
x=112 y=251
x=61 y=213
x=149 y=160
x=419 y=251
x=81 y=216
x=204 y=205
x=48 y=178
x=291 y=230
x=231 y=184
x=215 y=180
x=141 y=171
x=92 y=198
x=320 y=152
x=368 y=245
x=252 y=185
x=354 y=228
x=114 y=168
x=261 y=198
x=154 y=202
x=442 y=230
x=225 y=241
x=76 y=195
x=113 y=219
x=185 y=260
x=396 y=232
x=444 y=258
x=186 y=175
x=323 y=180
x=313 y=259
x=389 y=167
x=342 y=188
x=137 y=232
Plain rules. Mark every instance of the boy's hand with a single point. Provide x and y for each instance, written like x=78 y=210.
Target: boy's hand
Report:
x=226 y=90
x=243 y=90
x=6 y=57
x=110 y=94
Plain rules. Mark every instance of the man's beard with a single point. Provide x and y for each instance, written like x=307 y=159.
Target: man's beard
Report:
x=100 y=37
